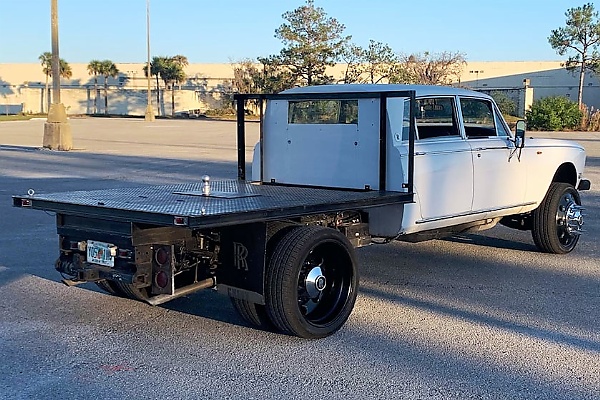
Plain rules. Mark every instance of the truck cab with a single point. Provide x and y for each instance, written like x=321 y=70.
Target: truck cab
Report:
x=470 y=171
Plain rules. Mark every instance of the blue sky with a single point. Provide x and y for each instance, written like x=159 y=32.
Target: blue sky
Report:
x=230 y=30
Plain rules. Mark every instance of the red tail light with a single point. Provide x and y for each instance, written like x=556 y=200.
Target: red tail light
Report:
x=161 y=279
x=162 y=256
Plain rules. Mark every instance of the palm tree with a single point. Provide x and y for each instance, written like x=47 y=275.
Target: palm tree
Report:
x=65 y=70
x=94 y=69
x=173 y=74
x=46 y=61
x=180 y=60
x=170 y=70
x=107 y=69
x=177 y=75
x=157 y=67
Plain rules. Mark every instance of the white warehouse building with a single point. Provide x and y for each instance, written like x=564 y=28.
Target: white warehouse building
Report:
x=22 y=86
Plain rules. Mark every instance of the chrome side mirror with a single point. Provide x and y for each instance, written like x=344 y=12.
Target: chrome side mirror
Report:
x=520 y=134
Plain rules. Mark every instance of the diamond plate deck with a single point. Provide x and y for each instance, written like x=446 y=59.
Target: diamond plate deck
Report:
x=251 y=202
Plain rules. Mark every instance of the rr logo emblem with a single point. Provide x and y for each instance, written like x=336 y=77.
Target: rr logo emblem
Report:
x=240 y=254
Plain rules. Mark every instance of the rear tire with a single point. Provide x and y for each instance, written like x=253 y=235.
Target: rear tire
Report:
x=132 y=292
x=255 y=314
x=109 y=287
x=554 y=219
x=311 y=282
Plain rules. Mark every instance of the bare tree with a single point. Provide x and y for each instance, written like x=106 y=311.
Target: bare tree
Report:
x=430 y=68
x=268 y=75
x=246 y=76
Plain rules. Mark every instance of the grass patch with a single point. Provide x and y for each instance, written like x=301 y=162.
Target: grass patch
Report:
x=15 y=117
x=511 y=120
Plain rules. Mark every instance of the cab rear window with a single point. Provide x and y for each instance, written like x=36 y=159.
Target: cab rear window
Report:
x=323 y=112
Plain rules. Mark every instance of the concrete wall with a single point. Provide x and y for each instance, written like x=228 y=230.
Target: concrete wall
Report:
x=546 y=78
x=25 y=83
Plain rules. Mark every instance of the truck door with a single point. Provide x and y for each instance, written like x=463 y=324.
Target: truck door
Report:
x=443 y=175
x=498 y=178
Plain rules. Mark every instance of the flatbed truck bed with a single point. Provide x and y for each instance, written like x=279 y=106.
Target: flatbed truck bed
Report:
x=230 y=202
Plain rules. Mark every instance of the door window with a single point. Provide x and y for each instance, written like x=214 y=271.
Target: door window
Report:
x=500 y=125
x=478 y=118
x=435 y=117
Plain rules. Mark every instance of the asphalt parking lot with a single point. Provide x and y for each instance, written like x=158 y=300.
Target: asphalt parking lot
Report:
x=469 y=317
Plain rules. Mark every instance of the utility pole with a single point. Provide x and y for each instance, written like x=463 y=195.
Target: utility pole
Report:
x=149 y=110
x=57 y=131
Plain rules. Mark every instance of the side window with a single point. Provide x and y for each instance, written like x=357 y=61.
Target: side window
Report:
x=406 y=120
x=323 y=112
x=478 y=117
x=435 y=117
x=398 y=117
x=501 y=127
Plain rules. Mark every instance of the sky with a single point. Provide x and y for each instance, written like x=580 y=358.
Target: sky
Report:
x=225 y=31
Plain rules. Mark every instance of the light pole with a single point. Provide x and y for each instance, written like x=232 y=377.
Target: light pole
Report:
x=57 y=131
x=477 y=72
x=149 y=110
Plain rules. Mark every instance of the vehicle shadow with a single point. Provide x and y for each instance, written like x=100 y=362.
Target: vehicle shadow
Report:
x=490 y=241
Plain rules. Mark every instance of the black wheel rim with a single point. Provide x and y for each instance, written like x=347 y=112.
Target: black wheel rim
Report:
x=568 y=220
x=324 y=283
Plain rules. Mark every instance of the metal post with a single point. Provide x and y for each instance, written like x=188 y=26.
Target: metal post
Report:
x=55 y=57
x=241 y=137
x=149 y=110
x=382 y=141
x=57 y=131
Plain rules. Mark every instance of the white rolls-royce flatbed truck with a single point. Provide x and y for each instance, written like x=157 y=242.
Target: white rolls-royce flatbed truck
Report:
x=335 y=166
x=283 y=250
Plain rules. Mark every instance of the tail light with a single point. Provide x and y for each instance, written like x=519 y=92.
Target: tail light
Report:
x=163 y=270
x=161 y=279
x=162 y=255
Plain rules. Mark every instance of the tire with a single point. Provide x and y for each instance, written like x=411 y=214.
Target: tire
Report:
x=131 y=291
x=311 y=282
x=255 y=314
x=108 y=287
x=557 y=221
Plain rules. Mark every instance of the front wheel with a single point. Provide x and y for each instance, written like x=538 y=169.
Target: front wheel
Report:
x=558 y=220
x=311 y=282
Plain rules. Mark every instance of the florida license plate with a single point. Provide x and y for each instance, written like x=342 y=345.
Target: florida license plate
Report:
x=100 y=253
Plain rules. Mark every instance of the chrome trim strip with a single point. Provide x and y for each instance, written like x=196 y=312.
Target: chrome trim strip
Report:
x=441 y=152
x=422 y=221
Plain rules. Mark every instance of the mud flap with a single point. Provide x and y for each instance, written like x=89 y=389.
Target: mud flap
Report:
x=242 y=269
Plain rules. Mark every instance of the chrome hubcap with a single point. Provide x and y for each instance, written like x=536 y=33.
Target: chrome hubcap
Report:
x=571 y=216
x=574 y=219
x=315 y=282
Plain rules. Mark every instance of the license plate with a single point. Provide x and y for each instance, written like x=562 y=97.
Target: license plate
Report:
x=100 y=253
